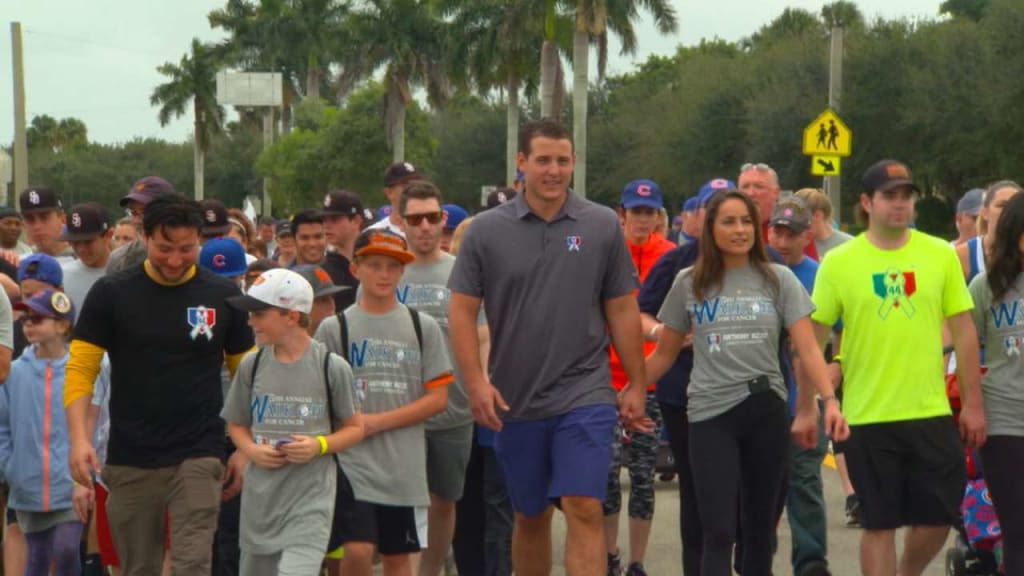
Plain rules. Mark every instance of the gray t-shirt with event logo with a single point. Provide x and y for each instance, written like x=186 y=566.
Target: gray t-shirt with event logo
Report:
x=837 y=238
x=1001 y=327
x=293 y=504
x=736 y=333
x=78 y=279
x=544 y=285
x=424 y=287
x=389 y=468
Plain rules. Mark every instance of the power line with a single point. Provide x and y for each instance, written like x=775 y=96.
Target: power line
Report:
x=66 y=38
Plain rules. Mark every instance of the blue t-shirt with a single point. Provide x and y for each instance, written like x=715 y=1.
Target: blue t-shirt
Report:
x=805 y=272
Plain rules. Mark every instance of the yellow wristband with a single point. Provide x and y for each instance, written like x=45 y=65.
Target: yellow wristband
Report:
x=323 y=444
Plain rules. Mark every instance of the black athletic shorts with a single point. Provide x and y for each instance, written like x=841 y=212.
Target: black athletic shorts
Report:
x=392 y=529
x=907 y=473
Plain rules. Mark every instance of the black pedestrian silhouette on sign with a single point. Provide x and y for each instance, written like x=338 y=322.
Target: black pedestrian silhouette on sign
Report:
x=822 y=134
x=833 y=133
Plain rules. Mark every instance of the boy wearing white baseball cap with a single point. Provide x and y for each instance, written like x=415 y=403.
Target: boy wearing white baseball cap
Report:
x=290 y=405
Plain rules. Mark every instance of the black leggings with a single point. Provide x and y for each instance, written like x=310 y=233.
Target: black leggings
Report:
x=1001 y=457
x=678 y=428
x=740 y=458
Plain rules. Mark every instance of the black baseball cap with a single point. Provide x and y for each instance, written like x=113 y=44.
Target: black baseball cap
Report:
x=886 y=175
x=319 y=279
x=400 y=173
x=283 y=228
x=146 y=189
x=85 y=222
x=39 y=199
x=343 y=202
x=215 y=218
x=6 y=212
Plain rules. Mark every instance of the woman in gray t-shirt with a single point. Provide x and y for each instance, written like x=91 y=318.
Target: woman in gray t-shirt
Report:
x=738 y=306
x=999 y=317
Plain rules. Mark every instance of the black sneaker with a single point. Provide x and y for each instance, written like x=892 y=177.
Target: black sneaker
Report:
x=853 y=511
x=636 y=569
x=614 y=565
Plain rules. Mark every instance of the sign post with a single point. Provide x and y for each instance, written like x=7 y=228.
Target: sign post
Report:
x=254 y=90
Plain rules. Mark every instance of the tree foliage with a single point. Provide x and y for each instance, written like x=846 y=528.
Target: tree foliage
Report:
x=341 y=148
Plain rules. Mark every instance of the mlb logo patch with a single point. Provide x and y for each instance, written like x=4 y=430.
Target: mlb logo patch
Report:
x=574 y=243
x=202 y=320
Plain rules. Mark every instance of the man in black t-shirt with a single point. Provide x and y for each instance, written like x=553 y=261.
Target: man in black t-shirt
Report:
x=343 y=220
x=167 y=331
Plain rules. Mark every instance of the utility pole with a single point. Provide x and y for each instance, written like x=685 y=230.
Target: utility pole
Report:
x=268 y=140
x=20 y=139
x=835 y=89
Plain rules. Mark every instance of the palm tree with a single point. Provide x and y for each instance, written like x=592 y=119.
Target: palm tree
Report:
x=192 y=79
x=594 y=18
x=293 y=37
x=842 y=14
x=406 y=38
x=494 y=48
x=552 y=82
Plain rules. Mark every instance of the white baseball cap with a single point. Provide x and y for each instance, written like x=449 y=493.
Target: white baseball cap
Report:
x=277 y=288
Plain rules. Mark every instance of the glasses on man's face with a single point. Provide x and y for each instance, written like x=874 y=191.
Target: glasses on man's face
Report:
x=134 y=212
x=33 y=319
x=417 y=219
x=759 y=166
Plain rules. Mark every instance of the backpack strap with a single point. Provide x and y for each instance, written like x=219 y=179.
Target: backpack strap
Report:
x=327 y=388
x=255 y=364
x=417 y=327
x=343 y=334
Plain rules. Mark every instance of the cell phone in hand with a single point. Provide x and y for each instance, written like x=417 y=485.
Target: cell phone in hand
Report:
x=282 y=442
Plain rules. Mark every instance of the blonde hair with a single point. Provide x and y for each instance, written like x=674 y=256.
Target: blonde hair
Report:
x=662 y=226
x=460 y=231
x=238 y=219
x=816 y=200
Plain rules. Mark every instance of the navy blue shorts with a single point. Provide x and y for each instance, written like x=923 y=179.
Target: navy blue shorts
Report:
x=567 y=455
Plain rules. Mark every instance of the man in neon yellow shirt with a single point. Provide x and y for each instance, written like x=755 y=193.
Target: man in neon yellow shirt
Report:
x=893 y=287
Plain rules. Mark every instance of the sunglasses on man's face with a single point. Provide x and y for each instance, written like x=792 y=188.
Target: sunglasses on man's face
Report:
x=417 y=219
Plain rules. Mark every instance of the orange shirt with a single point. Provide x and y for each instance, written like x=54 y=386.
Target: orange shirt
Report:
x=644 y=256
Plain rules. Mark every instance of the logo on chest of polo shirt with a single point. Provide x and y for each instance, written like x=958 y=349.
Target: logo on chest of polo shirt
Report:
x=574 y=243
x=895 y=288
x=202 y=320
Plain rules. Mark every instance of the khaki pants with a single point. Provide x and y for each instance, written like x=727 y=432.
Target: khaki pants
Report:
x=189 y=493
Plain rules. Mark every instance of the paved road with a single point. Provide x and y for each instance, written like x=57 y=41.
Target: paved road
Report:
x=663 y=557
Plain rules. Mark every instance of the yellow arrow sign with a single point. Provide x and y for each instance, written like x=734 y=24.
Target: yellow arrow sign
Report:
x=827 y=135
x=825 y=165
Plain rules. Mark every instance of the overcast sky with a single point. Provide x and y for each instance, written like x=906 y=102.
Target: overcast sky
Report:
x=96 y=59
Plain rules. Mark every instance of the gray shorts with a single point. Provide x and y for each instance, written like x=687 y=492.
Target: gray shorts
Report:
x=447 y=457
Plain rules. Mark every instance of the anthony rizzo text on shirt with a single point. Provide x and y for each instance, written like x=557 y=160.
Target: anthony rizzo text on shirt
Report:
x=723 y=310
x=375 y=360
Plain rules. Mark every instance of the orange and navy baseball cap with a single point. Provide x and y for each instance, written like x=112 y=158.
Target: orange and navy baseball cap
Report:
x=383 y=243
x=887 y=175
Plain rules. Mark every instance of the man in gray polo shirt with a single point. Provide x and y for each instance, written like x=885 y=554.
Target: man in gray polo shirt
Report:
x=554 y=275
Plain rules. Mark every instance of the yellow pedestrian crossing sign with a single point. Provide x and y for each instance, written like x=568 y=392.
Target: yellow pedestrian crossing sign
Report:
x=827 y=135
x=825 y=165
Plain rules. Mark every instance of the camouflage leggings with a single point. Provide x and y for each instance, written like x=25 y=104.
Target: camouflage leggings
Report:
x=638 y=454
